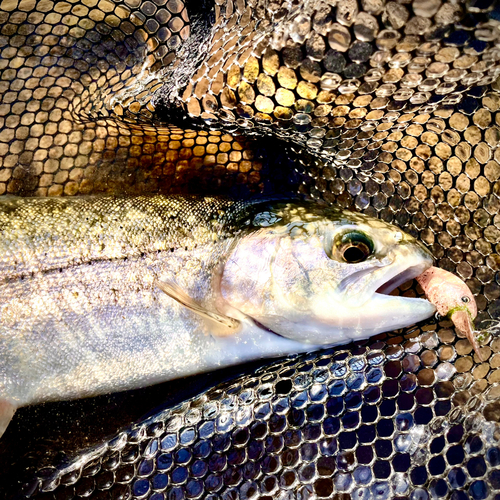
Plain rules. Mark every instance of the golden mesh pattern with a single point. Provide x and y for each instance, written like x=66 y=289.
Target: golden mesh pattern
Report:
x=77 y=81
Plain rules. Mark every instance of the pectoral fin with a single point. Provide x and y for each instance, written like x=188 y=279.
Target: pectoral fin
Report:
x=175 y=292
x=7 y=411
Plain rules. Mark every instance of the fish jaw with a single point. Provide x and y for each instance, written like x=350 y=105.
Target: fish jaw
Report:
x=366 y=308
x=383 y=313
x=334 y=321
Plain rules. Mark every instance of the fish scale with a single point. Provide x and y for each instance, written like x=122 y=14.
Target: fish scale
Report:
x=112 y=228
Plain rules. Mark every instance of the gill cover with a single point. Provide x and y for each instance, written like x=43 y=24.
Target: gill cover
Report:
x=313 y=274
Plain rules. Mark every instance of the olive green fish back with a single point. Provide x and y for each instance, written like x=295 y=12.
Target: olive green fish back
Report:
x=46 y=234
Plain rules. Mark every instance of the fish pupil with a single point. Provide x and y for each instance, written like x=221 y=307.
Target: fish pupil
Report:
x=356 y=252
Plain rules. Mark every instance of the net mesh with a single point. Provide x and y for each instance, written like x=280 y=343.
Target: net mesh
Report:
x=390 y=108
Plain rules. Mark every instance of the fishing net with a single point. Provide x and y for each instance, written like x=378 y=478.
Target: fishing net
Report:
x=389 y=108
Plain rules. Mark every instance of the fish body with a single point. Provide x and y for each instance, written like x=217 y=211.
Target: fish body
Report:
x=89 y=302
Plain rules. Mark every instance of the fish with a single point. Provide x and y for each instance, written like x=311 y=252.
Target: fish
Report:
x=106 y=294
x=453 y=299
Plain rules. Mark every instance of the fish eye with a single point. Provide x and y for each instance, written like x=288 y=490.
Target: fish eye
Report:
x=355 y=247
x=466 y=300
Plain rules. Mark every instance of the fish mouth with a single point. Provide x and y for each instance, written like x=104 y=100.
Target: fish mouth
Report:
x=382 y=312
x=371 y=289
x=414 y=309
x=381 y=279
x=360 y=306
x=366 y=297
x=400 y=279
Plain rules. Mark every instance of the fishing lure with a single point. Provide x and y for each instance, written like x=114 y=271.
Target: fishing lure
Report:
x=454 y=300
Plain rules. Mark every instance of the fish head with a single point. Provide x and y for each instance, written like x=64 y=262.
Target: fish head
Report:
x=321 y=275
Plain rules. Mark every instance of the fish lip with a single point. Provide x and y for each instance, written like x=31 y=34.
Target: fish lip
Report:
x=410 y=300
x=381 y=278
x=412 y=309
x=402 y=311
x=410 y=263
x=400 y=278
x=397 y=279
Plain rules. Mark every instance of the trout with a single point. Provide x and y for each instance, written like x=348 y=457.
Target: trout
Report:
x=102 y=294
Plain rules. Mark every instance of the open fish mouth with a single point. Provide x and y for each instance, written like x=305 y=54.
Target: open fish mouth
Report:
x=372 y=306
x=420 y=307
x=365 y=306
x=380 y=280
x=409 y=310
x=399 y=279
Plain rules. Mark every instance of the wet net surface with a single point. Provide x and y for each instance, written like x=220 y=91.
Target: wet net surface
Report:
x=390 y=108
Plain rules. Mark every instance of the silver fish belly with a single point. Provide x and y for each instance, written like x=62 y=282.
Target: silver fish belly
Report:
x=98 y=294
